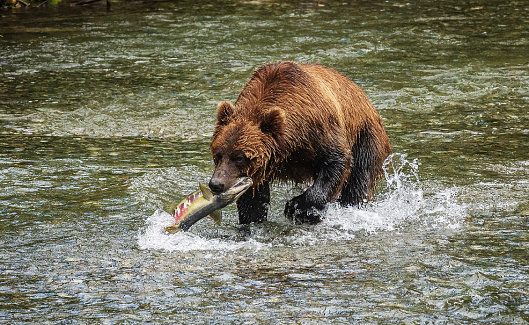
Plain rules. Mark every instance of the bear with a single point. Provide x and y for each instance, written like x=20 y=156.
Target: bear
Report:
x=300 y=123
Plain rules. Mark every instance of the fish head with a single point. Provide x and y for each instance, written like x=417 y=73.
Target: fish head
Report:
x=233 y=193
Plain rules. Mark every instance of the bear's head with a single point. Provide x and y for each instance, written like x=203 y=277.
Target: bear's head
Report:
x=244 y=143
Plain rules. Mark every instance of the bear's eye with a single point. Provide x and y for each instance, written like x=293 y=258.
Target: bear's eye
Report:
x=217 y=158
x=239 y=159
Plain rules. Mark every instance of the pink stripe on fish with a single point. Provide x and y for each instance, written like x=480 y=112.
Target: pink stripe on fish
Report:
x=183 y=207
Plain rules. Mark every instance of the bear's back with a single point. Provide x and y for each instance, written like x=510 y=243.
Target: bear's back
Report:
x=313 y=97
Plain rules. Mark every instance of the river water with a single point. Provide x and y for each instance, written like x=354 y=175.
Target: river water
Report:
x=106 y=119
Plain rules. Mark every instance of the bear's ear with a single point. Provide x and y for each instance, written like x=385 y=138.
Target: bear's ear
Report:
x=224 y=111
x=273 y=122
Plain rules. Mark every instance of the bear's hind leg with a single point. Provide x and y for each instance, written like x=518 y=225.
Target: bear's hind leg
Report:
x=359 y=187
x=356 y=189
x=253 y=205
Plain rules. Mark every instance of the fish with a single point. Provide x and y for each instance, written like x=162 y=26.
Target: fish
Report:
x=203 y=202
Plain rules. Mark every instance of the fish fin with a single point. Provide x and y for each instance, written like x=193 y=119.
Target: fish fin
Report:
x=172 y=229
x=216 y=216
x=169 y=208
x=206 y=192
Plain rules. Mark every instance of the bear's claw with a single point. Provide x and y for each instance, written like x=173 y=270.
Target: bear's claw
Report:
x=300 y=212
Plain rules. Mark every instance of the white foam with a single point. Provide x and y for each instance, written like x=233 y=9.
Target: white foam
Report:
x=402 y=204
x=354 y=219
x=154 y=236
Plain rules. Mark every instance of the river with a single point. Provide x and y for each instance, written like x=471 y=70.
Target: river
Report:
x=106 y=118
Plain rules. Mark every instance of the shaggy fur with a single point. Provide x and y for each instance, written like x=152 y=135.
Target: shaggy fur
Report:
x=301 y=123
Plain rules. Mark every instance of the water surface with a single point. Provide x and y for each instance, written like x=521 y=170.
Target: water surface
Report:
x=106 y=118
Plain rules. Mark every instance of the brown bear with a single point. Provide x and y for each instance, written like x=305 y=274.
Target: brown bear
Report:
x=303 y=123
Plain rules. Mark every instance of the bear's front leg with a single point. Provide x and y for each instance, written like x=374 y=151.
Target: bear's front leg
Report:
x=253 y=204
x=303 y=209
x=308 y=207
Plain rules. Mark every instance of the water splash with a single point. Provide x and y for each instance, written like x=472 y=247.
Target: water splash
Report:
x=402 y=204
x=154 y=236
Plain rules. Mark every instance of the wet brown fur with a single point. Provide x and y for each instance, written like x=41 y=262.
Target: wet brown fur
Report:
x=289 y=116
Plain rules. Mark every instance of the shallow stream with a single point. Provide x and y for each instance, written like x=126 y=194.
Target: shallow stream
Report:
x=106 y=119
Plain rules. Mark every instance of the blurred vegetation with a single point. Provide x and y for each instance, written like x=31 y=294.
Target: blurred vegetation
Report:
x=7 y=4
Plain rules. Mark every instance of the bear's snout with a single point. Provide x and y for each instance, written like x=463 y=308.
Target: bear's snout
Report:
x=216 y=186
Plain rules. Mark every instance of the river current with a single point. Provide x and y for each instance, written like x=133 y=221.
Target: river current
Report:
x=106 y=116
